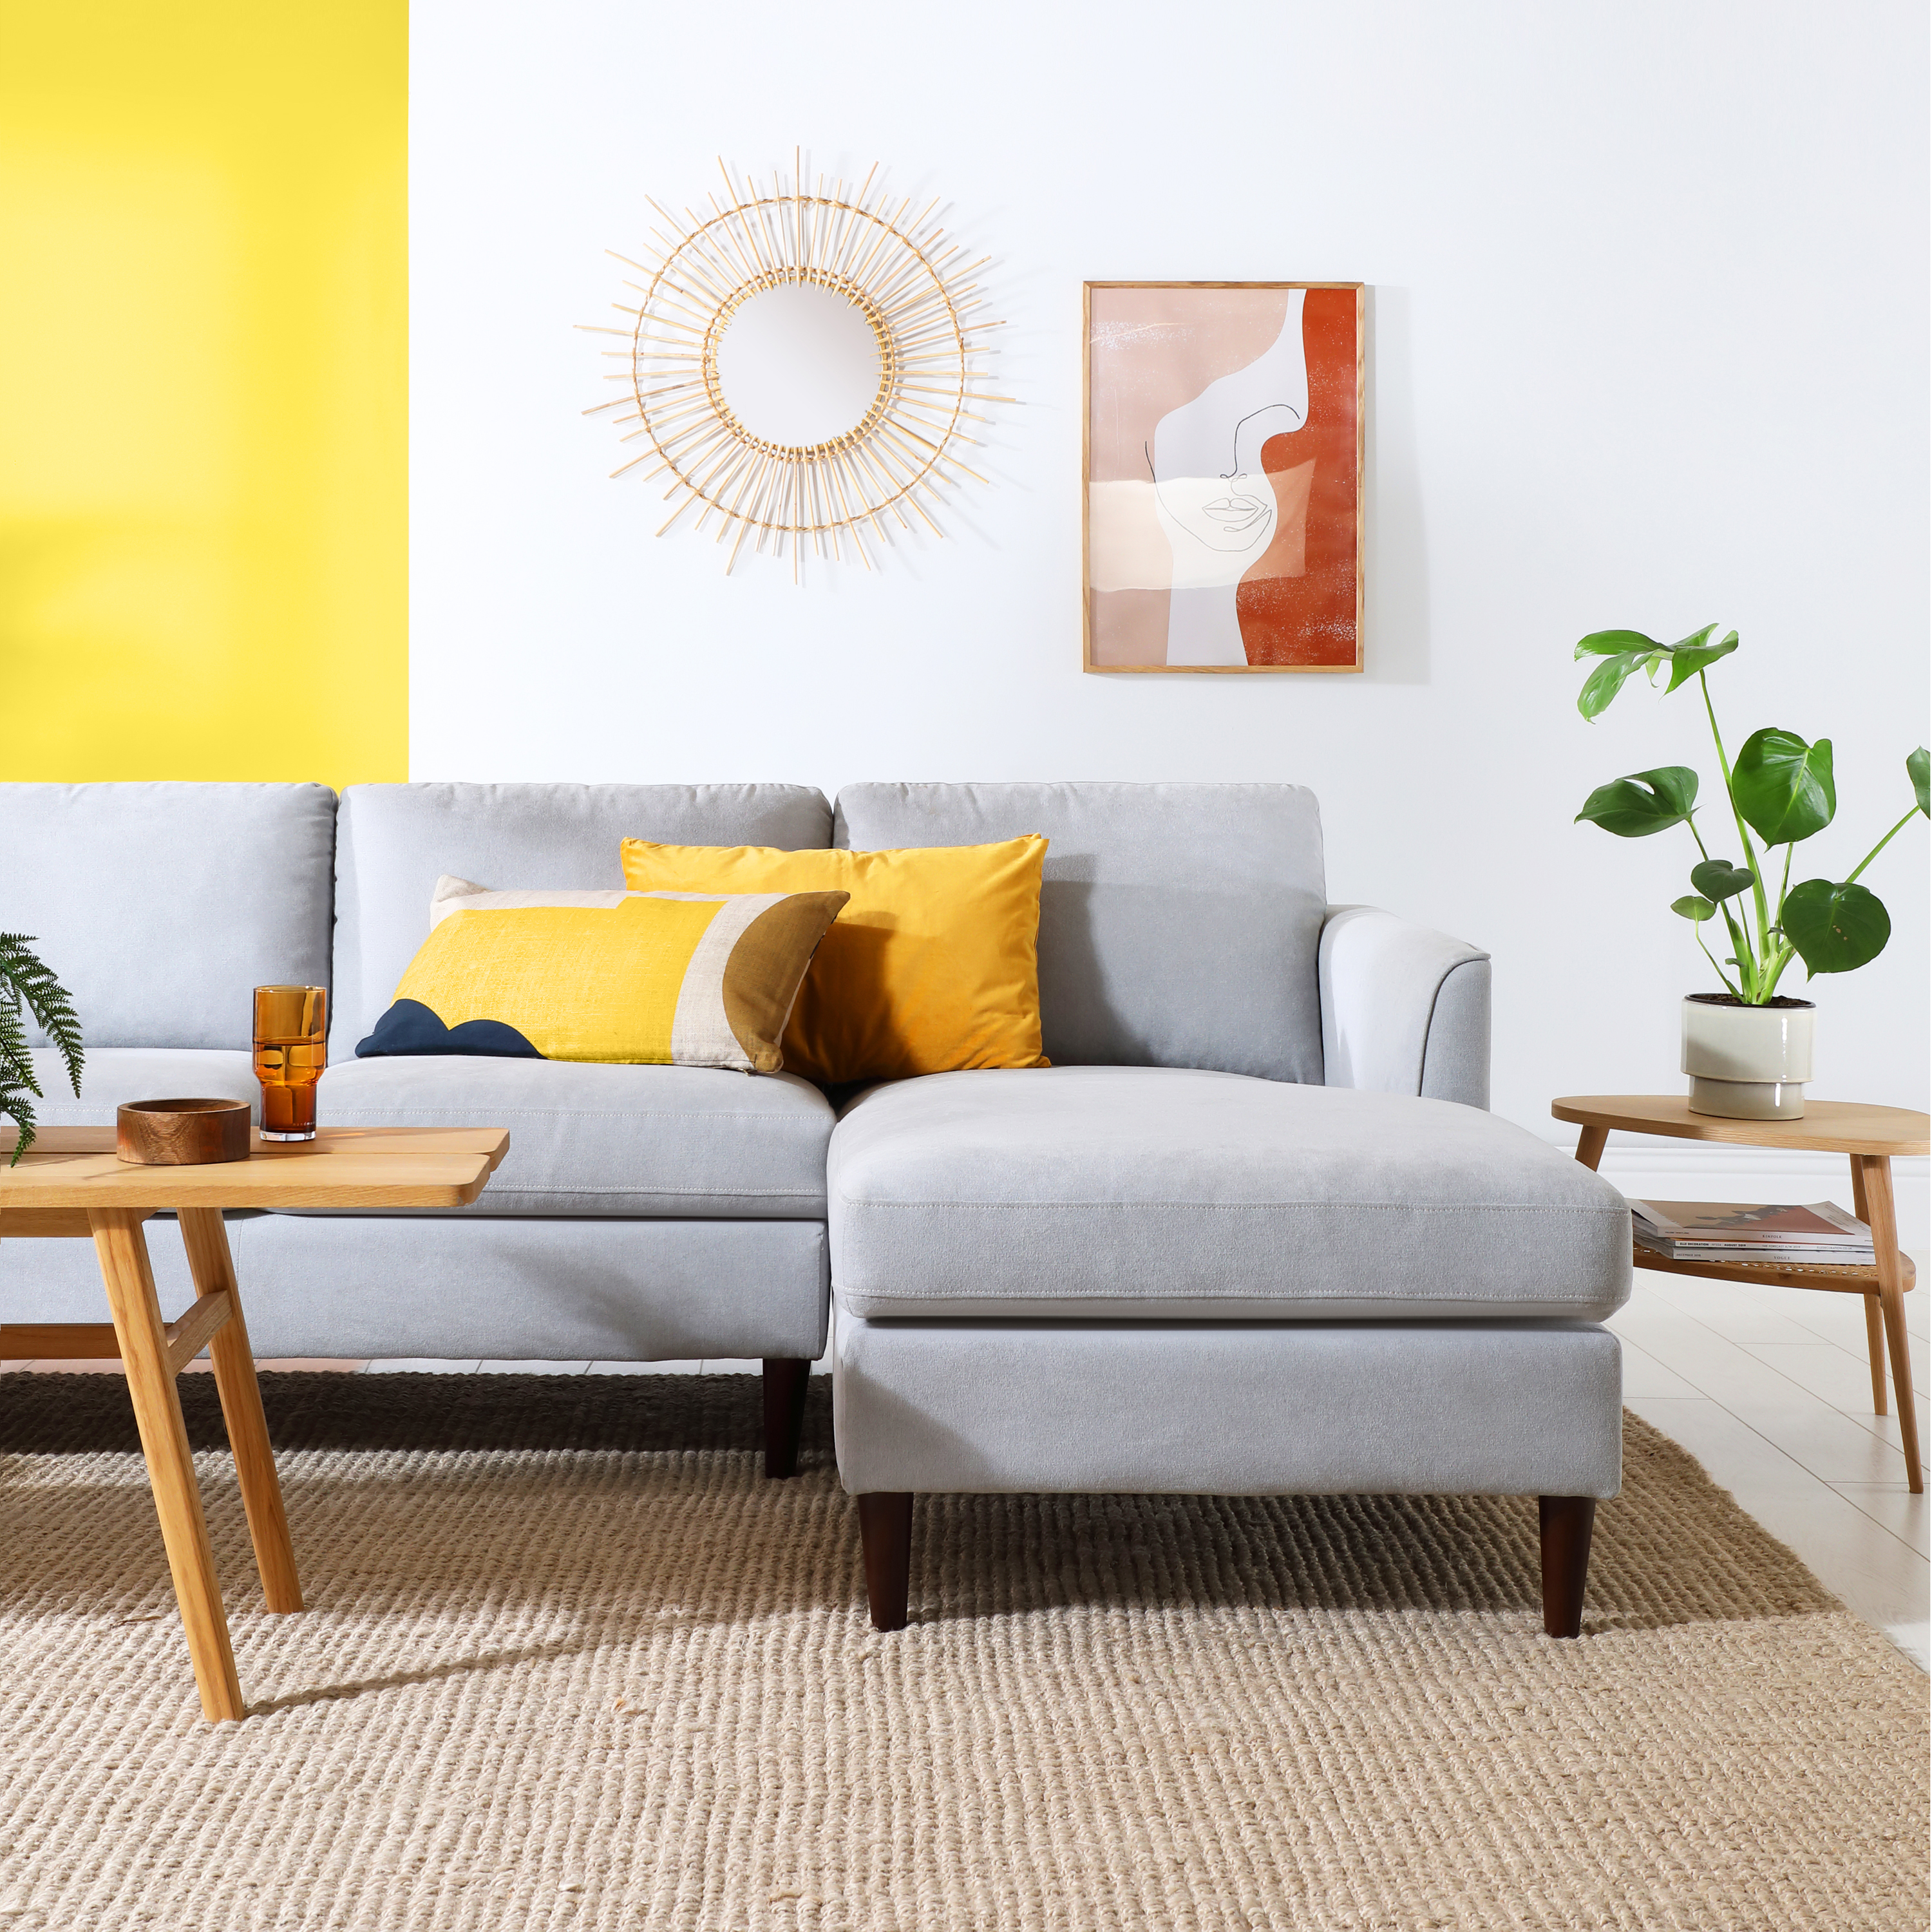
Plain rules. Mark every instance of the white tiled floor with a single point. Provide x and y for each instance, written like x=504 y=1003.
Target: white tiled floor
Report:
x=1770 y=1389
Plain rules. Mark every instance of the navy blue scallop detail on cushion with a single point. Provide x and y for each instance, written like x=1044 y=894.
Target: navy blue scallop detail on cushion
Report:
x=410 y=1028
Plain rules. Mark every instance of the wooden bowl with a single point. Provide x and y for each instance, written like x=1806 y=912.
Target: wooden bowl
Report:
x=181 y=1133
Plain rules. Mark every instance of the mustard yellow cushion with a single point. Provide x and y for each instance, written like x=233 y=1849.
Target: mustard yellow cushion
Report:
x=932 y=964
x=698 y=980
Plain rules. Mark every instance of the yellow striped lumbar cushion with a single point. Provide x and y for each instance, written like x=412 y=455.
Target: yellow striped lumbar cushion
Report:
x=675 y=979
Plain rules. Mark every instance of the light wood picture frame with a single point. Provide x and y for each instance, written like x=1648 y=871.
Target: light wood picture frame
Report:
x=1222 y=446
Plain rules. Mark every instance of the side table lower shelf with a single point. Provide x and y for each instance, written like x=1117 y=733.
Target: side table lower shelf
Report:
x=1869 y=1136
x=1863 y=1281
x=1776 y=1274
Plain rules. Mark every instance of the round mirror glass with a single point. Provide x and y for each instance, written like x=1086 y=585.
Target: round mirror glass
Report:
x=799 y=365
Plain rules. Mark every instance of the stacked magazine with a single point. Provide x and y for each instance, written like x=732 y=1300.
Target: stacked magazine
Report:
x=1821 y=1234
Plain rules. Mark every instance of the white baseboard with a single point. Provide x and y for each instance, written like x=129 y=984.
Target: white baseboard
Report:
x=1706 y=1171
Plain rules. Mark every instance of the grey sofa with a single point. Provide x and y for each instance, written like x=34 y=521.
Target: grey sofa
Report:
x=642 y=1212
x=1254 y=1231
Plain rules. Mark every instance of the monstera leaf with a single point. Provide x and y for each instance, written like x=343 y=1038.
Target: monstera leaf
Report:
x=1718 y=879
x=1624 y=652
x=1835 y=929
x=1781 y=789
x=1784 y=787
x=1644 y=802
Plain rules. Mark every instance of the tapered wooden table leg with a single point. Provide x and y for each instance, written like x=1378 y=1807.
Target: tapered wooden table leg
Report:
x=1875 y=1347
x=1874 y=1314
x=1590 y=1145
x=123 y=1254
x=1884 y=1223
x=213 y=1267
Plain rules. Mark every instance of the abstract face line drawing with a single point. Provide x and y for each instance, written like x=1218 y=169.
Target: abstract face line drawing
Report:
x=1236 y=517
x=1199 y=510
x=1226 y=534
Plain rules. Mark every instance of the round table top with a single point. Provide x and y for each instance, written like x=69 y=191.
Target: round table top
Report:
x=1826 y=1127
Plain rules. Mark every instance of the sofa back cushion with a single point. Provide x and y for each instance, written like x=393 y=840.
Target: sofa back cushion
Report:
x=394 y=842
x=1178 y=923
x=159 y=906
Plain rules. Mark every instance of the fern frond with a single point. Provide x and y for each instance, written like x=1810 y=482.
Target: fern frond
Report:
x=26 y=977
x=16 y=1104
x=16 y=1065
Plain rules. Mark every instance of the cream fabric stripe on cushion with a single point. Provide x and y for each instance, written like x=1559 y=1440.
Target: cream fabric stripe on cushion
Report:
x=454 y=895
x=700 y=1032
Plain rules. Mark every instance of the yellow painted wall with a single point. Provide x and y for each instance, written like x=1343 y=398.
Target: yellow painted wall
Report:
x=203 y=389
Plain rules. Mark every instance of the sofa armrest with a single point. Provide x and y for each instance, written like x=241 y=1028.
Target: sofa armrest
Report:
x=1404 y=1010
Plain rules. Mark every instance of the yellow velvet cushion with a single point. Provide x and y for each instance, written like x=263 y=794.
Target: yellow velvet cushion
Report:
x=696 y=981
x=931 y=966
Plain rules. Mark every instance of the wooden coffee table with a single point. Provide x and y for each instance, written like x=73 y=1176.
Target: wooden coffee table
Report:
x=69 y=1185
x=1870 y=1136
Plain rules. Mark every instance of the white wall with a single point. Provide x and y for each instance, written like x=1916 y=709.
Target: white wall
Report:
x=1647 y=347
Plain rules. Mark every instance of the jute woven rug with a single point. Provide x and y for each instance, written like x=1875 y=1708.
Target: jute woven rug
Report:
x=570 y=1663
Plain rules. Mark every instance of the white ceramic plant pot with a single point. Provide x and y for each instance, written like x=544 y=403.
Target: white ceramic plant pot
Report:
x=1747 y=1063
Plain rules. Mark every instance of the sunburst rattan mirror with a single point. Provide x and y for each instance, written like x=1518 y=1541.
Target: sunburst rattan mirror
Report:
x=800 y=365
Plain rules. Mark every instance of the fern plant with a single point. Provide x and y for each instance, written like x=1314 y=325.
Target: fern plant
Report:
x=26 y=983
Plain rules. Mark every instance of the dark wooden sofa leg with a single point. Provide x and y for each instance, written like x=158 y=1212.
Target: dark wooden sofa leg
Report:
x=885 y=1529
x=1565 y=1522
x=785 y=1384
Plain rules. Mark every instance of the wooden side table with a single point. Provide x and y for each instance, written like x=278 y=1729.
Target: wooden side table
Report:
x=1870 y=1136
x=69 y=1185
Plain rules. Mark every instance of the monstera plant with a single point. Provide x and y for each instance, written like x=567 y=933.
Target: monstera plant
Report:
x=26 y=983
x=1778 y=787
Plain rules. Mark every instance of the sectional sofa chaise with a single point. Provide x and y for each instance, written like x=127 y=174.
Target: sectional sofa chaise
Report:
x=1253 y=1231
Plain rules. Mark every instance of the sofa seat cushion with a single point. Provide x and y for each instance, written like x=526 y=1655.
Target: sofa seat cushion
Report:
x=112 y=1074
x=591 y=1139
x=1112 y=1192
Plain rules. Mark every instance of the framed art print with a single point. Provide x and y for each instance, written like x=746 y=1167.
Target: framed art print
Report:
x=1223 y=440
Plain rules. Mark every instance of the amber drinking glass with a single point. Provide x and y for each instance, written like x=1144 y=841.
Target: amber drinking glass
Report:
x=291 y=1050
